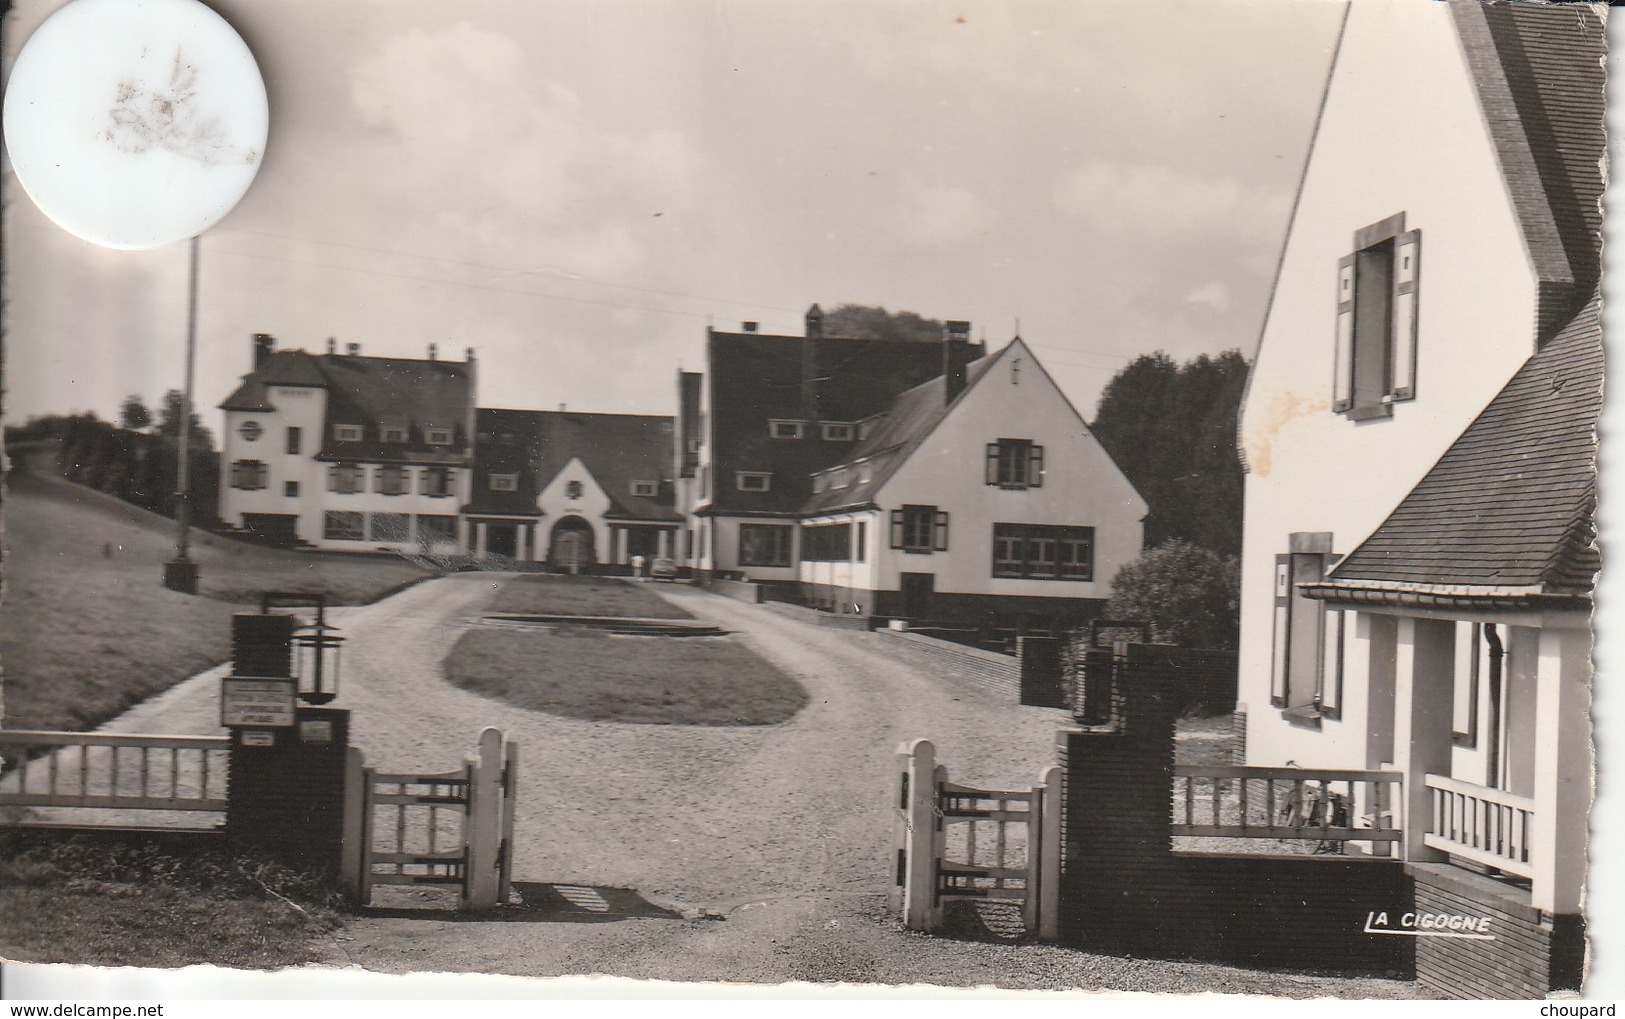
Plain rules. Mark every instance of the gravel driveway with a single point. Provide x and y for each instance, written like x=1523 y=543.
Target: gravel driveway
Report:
x=783 y=830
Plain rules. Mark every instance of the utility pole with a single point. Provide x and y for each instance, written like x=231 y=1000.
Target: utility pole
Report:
x=181 y=573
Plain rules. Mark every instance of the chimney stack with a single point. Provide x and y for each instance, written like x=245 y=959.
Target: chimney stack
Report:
x=809 y=363
x=953 y=362
x=749 y=327
x=434 y=352
x=353 y=349
x=264 y=344
x=332 y=345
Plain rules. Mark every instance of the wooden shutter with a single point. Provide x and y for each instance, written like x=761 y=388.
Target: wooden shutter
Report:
x=896 y=528
x=993 y=463
x=940 y=531
x=1407 y=271
x=1283 y=630
x=333 y=478
x=1035 y=466
x=1343 y=352
x=1330 y=697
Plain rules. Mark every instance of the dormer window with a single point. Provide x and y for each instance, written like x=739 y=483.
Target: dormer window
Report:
x=1375 y=353
x=646 y=489
x=393 y=433
x=437 y=436
x=838 y=478
x=753 y=481
x=785 y=429
x=504 y=482
x=837 y=431
x=347 y=433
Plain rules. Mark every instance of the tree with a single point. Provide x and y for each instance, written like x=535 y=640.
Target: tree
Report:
x=872 y=322
x=1185 y=594
x=133 y=413
x=169 y=417
x=1172 y=430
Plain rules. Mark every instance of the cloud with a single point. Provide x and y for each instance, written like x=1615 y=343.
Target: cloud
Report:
x=940 y=214
x=1163 y=201
x=1210 y=295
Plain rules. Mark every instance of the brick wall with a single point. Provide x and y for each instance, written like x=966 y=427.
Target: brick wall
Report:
x=819 y=618
x=1043 y=683
x=1532 y=952
x=738 y=590
x=289 y=796
x=989 y=670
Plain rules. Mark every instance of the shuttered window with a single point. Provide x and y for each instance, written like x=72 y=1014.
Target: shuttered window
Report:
x=1306 y=659
x=919 y=529
x=1377 y=322
x=1015 y=463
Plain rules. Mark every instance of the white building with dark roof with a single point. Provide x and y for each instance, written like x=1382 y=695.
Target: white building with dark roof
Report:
x=348 y=452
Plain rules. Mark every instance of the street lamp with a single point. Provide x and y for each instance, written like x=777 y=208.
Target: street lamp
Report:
x=181 y=573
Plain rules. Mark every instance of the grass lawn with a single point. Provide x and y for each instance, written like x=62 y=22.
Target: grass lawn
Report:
x=86 y=626
x=546 y=594
x=137 y=906
x=588 y=674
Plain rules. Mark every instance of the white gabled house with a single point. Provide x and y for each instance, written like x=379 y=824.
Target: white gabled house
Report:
x=1418 y=434
x=979 y=498
x=348 y=452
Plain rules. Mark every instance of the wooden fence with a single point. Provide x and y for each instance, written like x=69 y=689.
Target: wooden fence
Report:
x=45 y=771
x=1326 y=807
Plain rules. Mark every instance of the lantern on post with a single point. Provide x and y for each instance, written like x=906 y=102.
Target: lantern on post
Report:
x=315 y=647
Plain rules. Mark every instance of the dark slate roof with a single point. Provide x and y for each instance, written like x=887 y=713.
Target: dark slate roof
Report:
x=756 y=378
x=891 y=439
x=1541 y=82
x=372 y=392
x=617 y=449
x=1509 y=507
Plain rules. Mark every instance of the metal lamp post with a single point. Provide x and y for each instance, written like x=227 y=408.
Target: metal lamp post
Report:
x=181 y=573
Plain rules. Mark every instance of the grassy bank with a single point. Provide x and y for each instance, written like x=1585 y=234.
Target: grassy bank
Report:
x=547 y=594
x=73 y=900
x=87 y=628
x=588 y=674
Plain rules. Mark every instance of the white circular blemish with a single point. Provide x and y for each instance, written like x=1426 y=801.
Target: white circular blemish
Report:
x=135 y=123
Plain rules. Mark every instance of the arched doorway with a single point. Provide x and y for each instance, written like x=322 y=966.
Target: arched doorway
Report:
x=571 y=548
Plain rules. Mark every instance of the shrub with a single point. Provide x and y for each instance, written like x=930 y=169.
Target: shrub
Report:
x=1183 y=593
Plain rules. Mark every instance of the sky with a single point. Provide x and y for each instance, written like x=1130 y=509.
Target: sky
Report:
x=578 y=189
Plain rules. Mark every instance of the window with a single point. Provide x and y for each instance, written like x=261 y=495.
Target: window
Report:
x=394 y=527
x=826 y=543
x=765 y=544
x=1375 y=353
x=347 y=433
x=919 y=529
x=342 y=525
x=646 y=489
x=573 y=490
x=1471 y=652
x=249 y=474
x=1044 y=551
x=250 y=431
x=435 y=481
x=393 y=433
x=391 y=480
x=344 y=478
x=295 y=439
x=860 y=549
x=1298 y=668
x=1015 y=463
x=753 y=481
x=507 y=483
x=786 y=429
x=436 y=529
x=836 y=431
x=290 y=489
x=437 y=436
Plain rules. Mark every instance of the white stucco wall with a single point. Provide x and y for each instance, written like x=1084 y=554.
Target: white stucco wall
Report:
x=1401 y=132
x=1014 y=399
x=593 y=503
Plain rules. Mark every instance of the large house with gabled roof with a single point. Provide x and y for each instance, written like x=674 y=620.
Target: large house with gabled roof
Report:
x=348 y=451
x=1418 y=432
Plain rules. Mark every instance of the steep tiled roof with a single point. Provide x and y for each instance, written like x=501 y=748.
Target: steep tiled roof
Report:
x=617 y=449
x=756 y=378
x=1509 y=507
x=372 y=392
x=1541 y=84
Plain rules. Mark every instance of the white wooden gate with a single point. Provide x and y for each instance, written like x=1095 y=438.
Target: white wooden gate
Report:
x=957 y=842
x=449 y=828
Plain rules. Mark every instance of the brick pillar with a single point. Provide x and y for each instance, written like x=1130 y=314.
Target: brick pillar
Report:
x=1119 y=888
x=262 y=645
x=288 y=796
x=1039 y=659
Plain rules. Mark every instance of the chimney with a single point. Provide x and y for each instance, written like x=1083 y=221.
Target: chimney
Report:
x=332 y=345
x=749 y=327
x=953 y=360
x=353 y=349
x=809 y=363
x=471 y=421
x=434 y=352
x=264 y=343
